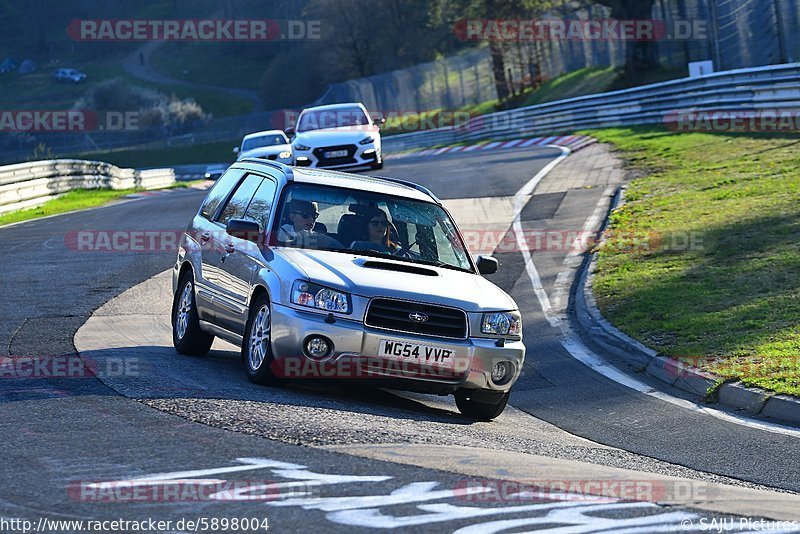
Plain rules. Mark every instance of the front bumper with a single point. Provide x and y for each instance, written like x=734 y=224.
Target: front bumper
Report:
x=355 y=355
x=364 y=156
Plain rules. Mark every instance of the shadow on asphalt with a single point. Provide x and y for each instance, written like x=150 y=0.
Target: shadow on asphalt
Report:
x=144 y=373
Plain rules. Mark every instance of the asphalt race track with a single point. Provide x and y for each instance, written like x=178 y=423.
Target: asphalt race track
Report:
x=355 y=457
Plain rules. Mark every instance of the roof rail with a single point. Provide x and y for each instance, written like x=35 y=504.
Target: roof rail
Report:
x=409 y=184
x=275 y=164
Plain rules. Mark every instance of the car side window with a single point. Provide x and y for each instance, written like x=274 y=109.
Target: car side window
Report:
x=260 y=208
x=219 y=192
x=238 y=203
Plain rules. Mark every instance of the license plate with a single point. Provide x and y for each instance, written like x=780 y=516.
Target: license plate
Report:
x=417 y=353
x=336 y=153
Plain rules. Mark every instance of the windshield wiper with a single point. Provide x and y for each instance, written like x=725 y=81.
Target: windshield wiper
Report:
x=370 y=252
x=444 y=265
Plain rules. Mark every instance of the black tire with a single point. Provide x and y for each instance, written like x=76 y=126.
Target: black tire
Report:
x=479 y=406
x=192 y=340
x=259 y=372
x=378 y=166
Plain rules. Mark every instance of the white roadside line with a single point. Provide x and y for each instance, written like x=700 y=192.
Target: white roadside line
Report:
x=572 y=342
x=520 y=199
x=576 y=249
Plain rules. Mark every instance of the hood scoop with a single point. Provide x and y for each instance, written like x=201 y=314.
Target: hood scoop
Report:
x=399 y=267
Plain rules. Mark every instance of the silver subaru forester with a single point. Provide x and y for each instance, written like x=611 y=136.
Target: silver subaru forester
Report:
x=321 y=274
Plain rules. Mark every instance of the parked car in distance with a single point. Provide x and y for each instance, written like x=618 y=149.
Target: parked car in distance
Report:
x=337 y=136
x=215 y=170
x=269 y=144
x=69 y=76
x=321 y=274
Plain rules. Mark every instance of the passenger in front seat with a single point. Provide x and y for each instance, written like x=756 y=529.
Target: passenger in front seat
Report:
x=379 y=234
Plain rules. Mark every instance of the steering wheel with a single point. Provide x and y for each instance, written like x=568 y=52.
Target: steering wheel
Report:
x=403 y=251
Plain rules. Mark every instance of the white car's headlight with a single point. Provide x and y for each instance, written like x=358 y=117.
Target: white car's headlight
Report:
x=320 y=297
x=285 y=154
x=366 y=140
x=502 y=323
x=301 y=147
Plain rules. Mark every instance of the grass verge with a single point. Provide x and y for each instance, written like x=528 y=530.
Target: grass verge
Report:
x=138 y=158
x=703 y=261
x=80 y=199
x=74 y=200
x=581 y=82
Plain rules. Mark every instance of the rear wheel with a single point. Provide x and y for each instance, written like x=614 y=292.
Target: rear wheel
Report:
x=257 y=344
x=187 y=337
x=479 y=405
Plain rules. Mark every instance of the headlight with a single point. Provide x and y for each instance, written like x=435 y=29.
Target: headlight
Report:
x=302 y=147
x=285 y=154
x=366 y=141
x=319 y=297
x=502 y=324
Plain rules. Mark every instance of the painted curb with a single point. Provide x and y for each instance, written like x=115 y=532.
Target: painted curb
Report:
x=604 y=335
x=573 y=142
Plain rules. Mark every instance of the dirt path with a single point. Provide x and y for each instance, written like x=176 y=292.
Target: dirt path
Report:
x=142 y=70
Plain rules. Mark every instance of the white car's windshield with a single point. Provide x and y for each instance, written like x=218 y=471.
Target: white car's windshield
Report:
x=332 y=118
x=347 y=220
x=264 y=140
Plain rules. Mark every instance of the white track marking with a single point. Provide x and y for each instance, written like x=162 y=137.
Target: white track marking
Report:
x=572 y=342
x=520 y=199
x=583 y=354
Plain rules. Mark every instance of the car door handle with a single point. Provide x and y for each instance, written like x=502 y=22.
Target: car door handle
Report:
x=229 y=249
x=205 y=236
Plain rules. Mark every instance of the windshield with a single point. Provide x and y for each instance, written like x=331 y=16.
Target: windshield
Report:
x=332 y=118
x=371 y=224
x=264 y=140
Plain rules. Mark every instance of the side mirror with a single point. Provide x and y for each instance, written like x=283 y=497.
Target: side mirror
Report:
x=247 y=230
x=379 y=122
x=236 y=150
x=487 y=265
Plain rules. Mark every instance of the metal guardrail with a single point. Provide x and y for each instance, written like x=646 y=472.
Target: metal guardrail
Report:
x=25 y=185
x=742 y=90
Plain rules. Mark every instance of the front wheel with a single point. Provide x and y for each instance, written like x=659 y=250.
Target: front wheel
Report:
x=257 y=344
x=187 y=336
x=378 y=166
x=478 y=406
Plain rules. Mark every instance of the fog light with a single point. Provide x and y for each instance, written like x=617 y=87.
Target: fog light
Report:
x=369 y=152
x=501 y=372
x=317 y=347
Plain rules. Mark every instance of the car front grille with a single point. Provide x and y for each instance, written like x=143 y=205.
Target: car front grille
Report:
x=319 y=153
x=395 y=315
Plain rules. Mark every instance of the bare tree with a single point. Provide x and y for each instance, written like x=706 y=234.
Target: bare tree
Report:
x=640 y=55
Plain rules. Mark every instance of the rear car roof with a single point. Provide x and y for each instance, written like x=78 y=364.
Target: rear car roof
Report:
x=373 y=184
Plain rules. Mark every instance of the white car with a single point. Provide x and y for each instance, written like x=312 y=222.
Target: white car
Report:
x=270 y=144
x=337 y=136
x=69 y=76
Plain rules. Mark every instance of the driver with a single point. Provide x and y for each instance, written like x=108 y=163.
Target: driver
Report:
x=299 y=231
x=379 y=234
